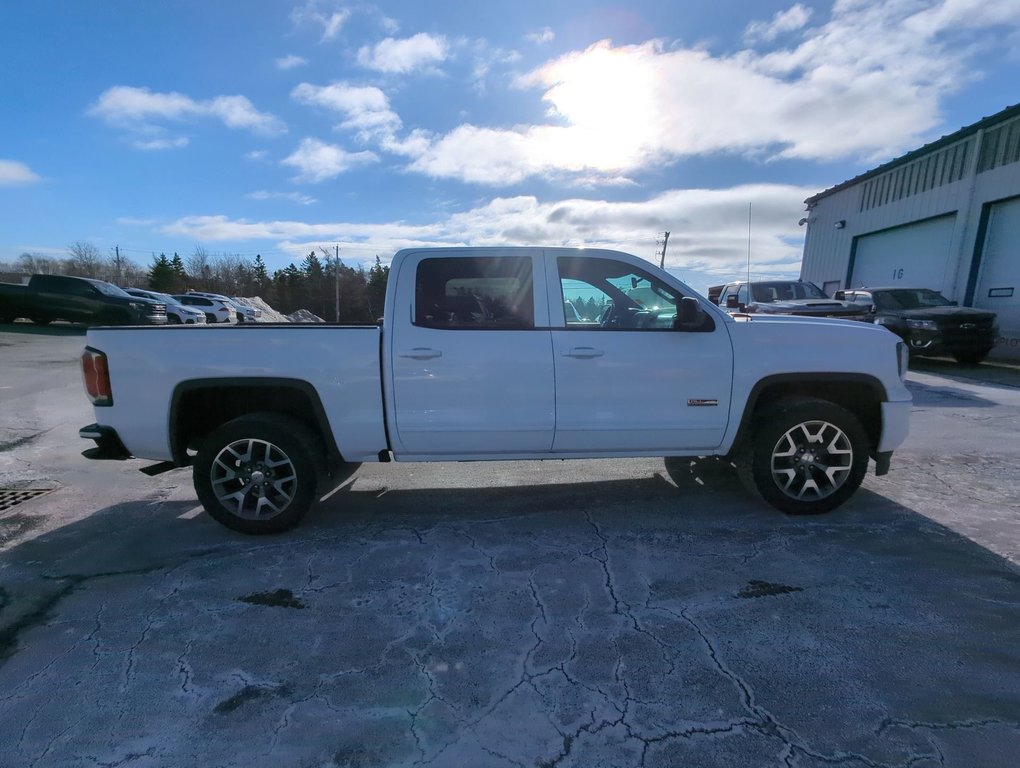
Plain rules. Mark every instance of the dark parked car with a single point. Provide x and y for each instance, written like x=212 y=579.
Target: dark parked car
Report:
x=931 y=324
x=77 y=300
x=784 y=297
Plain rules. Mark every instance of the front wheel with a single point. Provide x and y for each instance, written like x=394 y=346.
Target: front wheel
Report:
x=809 y=456
x=257 y=474
x=971 y=357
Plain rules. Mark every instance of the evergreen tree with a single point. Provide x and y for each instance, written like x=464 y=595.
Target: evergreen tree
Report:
x=162 y=277
x=180 y=275
x=378 y=276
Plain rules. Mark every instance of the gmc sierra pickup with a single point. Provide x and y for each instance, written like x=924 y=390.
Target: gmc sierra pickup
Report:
x=78 y=300
x=477 y=359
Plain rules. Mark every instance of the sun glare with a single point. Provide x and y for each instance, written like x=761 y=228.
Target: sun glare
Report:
x=606 y=99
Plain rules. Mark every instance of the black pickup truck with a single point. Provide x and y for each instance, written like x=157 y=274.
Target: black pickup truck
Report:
x=78 y=300
x=931 y=324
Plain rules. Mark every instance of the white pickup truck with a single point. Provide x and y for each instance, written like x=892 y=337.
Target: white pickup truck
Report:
x=477 y=359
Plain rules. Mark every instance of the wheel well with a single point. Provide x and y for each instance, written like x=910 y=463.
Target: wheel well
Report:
x=862 y=397
x=200 y=407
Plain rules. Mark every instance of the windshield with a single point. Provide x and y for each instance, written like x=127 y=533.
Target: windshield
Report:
x=910 y=298
x=166 y=298
x=785 y=290
x=109 y=289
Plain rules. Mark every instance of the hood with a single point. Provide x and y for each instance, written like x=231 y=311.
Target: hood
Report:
x=811 y=306
x=961 y=314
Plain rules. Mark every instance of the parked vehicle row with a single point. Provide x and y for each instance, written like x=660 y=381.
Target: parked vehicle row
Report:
x=927 y=321
x=45 y=298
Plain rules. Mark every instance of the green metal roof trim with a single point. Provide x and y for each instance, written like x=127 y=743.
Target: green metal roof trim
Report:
x=986 y=122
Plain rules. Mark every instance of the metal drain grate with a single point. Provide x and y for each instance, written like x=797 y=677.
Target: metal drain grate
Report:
x=10 y=497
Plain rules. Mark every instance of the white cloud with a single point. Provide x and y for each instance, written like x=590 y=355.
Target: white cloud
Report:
x=293 y=197
x=317 y=161
x=160 y=144
x=13 y=173
x=290 y=61
x=137 y=108
x=256 y=155
x=858 y=86
x=541 y=37
x=365 y=109
x=708 y=228
x=406 y=55
x=790 y=20
x=324 y=15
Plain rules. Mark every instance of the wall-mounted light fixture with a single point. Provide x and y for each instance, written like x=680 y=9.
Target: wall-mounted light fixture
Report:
x=840 y=224
x=802 y=222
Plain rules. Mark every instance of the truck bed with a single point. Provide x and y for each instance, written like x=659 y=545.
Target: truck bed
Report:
x=152 y=371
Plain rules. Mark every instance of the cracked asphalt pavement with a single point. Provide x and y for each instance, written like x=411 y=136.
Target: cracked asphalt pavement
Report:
x=587 y=613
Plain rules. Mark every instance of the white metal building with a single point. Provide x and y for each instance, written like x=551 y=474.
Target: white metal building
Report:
x=945 y=216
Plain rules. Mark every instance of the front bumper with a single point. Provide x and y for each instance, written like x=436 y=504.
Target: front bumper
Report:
x=895 y=425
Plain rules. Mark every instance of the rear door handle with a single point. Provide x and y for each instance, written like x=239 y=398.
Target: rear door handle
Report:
x=583 y=353
x=421 y=353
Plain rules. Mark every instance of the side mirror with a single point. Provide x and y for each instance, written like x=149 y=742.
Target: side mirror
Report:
x=954 y=303
x=873 y=309
x=689 y=316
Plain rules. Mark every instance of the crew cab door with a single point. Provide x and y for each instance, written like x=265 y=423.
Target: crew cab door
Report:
x=469 y=353
x=626 y=380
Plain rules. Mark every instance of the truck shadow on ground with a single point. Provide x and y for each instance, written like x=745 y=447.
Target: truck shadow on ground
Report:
x=684 y=493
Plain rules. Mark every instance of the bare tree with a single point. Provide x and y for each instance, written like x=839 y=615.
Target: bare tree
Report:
x=84 y=259
x=199 y=267
x=37 y=264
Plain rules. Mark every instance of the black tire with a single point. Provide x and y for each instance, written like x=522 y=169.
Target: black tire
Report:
x=808 y=456
x=971 y=357
x=210 y=318
x=258 y=473
x=173 y=320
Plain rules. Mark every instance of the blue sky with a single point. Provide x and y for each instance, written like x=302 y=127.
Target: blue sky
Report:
x=278 y=127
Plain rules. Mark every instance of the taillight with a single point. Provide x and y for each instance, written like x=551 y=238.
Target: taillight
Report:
x=95 y=374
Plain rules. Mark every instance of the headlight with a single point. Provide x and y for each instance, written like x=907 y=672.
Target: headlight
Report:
x=922 y=325
x=137 y=306
x=902 y=359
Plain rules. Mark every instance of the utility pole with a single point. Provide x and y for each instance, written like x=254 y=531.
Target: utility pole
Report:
x=662 y=253
x=116 y=261
x=336 y=281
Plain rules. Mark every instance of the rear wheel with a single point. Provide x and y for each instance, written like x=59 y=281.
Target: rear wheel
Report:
x=257 y=474
x=809 y=456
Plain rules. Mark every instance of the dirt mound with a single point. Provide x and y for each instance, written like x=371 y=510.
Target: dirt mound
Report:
x=304 y=316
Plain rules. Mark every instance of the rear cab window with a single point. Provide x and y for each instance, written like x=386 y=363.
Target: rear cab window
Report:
x=475 y=293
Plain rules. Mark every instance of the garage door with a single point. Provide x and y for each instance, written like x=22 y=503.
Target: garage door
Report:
x=998 y=286
x=914 y=256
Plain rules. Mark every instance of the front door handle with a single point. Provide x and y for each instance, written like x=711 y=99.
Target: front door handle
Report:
x=421 y=353
x=583 y=353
